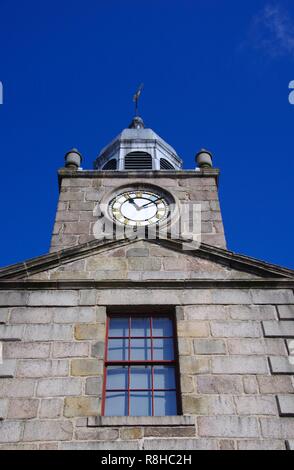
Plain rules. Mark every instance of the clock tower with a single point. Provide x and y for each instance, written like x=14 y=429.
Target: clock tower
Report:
x=138 y=181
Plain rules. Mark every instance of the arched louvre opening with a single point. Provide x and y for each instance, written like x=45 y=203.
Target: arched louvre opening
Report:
x=138 y=161
x=111 y=165
x=166 y=165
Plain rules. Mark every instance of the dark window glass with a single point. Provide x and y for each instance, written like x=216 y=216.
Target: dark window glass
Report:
x=164 y=377
x=140 y=327
x=117 y=378
x=118 y=327
x=140 y=349
x=140 y=403
x=140 y=367
x=165 y=403
x=141 y=377
x=116 y=404
x=162 y=327
x=163 y=349
x=117 y=349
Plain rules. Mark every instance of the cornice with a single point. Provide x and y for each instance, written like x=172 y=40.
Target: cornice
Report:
x=24 y=284
x=205 y=172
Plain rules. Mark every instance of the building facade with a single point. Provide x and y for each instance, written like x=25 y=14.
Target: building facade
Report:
x=130 y=333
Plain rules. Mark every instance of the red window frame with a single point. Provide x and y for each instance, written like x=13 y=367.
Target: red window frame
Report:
x=128 y=363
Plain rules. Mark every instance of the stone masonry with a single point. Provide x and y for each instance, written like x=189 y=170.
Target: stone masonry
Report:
x=236 y=380
x=81 y=192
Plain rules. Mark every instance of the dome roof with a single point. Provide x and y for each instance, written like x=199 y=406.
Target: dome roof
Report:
x=138 y=148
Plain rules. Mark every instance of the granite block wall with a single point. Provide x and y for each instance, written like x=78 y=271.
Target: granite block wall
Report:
x=236 y=377
x=79 y=196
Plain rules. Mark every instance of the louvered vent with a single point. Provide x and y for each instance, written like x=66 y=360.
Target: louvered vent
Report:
x=138 y=161
x=111 y=165
x=165 y=165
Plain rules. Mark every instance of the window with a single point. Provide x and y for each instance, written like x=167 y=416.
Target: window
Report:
x=141 y=367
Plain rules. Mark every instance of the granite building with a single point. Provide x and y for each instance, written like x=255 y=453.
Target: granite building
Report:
x=130 y=334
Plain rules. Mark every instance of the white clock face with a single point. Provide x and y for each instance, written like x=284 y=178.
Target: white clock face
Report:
x=138 y=208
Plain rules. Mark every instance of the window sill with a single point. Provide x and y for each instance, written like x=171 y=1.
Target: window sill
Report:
x=97 y=421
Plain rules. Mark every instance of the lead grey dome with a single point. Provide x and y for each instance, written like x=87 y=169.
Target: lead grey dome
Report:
x=138 y=148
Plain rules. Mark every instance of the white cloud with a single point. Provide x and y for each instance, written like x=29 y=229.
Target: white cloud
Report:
x=272 y=30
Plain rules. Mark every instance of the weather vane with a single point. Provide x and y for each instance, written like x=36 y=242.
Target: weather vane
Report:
x=136 y=97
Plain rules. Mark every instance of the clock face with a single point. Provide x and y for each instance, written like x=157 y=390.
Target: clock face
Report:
x=138 y=208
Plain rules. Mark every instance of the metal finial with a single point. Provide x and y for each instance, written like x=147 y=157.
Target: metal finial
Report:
x=136 y=97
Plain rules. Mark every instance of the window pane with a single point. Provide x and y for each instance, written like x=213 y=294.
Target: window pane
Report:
x=140 y=327
x=162 y=326
x=116 y=404
x=118 y=349
x=140 y=349
x=140 y=404
x=118 y=327
x=163 y=349
x=165 y=403
x=141 y=377
x=117 y=377
x=164 y=377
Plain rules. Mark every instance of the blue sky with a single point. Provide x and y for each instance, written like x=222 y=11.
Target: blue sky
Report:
x=216 y=75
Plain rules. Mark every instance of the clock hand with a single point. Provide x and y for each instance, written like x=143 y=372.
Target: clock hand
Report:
x=151 y=202
x=133 y=202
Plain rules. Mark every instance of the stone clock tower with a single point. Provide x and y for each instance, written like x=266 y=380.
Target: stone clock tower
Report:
x=130 y=333
x=138 y=181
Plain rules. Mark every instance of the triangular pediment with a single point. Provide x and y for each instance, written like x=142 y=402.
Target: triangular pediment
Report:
x=143 y=260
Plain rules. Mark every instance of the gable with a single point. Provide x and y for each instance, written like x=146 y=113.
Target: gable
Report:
x=141 y=261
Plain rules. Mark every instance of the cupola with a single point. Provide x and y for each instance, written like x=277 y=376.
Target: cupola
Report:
x=138 y=148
